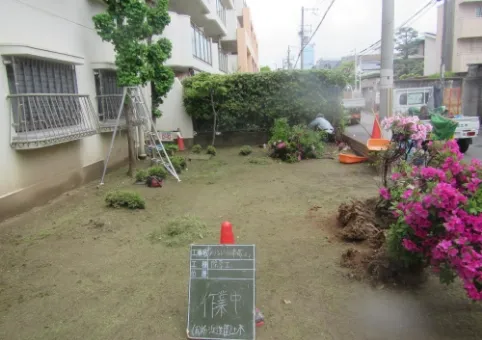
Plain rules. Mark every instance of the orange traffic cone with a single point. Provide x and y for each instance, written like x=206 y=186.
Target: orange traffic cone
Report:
x=180 y=142
x=377 y=131
x=227 y=235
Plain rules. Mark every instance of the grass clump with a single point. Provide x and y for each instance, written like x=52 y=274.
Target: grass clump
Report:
x=180 y=231
x=157 y=171
x=141 y=175
x=245 y=150
x=179 y=163
x=211 y=150
x=197 y=149
x=125 y=199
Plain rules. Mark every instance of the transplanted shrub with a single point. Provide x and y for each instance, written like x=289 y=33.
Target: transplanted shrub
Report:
x=171 y=149
x=125 y=199
x=245 y=150
x=211 y=150
x=292 y=144
x=141 y=175
x=439 y=214
x=197 y=149
x=179 y=163
x=157 y=171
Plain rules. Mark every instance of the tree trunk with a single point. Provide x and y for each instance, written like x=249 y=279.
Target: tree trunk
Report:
x=215 y=119
x=131 y=144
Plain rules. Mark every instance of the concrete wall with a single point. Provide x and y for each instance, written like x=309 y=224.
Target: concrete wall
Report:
x=174 y=115
x=60 y=31
x=431 y=64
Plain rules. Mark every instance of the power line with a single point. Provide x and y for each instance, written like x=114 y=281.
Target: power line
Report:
x=417 y=15
x=316 y=30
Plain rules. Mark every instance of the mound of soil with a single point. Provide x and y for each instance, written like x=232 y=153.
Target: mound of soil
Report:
x=359 y=221
x=366 y=221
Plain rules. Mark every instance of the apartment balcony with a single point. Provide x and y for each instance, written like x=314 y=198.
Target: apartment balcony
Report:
x=469 y=28
x=203 y=13
x=191 y=47
x=42 y=120
x=229 y=42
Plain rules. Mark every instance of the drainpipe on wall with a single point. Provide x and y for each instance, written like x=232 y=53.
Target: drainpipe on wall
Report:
x=141 y=150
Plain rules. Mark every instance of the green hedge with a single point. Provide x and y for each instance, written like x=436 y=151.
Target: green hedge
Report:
x=252 y=101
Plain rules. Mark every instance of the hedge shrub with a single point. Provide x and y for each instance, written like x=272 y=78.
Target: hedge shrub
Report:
x=252 y=101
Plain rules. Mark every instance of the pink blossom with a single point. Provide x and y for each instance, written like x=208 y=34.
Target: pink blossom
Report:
x=410 y=245
x=385 y=193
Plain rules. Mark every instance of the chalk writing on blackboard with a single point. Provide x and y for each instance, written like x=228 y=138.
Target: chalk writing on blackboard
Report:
x=222 y=292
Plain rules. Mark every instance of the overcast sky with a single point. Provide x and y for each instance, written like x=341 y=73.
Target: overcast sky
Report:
x=350 y=24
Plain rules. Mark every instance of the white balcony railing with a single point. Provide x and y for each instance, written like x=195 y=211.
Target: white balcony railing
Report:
x=223 y=61
x=40 y=120
x=108 y=108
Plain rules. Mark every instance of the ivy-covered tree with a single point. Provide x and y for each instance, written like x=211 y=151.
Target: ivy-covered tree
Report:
x=134 y=27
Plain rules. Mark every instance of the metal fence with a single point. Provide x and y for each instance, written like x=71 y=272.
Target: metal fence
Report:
x=42 y=119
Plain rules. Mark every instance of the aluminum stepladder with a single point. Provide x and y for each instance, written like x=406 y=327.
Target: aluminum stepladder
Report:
x=142 y=115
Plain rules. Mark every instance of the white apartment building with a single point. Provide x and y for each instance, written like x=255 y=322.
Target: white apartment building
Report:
x=464 y=37
x=59 y=97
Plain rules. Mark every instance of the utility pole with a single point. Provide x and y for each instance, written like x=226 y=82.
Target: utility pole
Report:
x=302 y=34
x=443 y=56
x=289 y=58
x=386 y=72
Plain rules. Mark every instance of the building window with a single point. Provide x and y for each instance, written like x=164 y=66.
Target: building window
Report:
x=201 y=45
x=46 y=106
x=223 y=61
x=221 y=11
x=478 y=12
x=109 y=98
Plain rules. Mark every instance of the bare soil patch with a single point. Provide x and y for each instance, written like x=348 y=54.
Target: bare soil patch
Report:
x=75 y=269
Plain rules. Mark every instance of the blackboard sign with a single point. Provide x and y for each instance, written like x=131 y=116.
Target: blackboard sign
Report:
x=222 y=292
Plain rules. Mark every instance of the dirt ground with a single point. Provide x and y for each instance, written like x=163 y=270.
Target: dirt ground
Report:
x=75 y=269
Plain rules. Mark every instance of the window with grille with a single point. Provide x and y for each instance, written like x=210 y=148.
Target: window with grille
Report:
x=201 y=45
x=478 y=12
x=109 y=95
x=40 y=94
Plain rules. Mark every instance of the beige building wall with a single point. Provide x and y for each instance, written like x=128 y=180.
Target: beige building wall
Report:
x=247 y=43
x=467 y=35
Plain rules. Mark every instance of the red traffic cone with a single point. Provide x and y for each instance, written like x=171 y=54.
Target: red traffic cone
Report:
x=180 y=142
x=227 y=235
x=377 y=131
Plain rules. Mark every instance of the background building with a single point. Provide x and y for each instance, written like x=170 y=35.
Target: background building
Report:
x=59 y=93
x=464 y=37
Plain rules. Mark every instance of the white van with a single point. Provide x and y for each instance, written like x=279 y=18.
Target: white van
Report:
x=403 y=99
